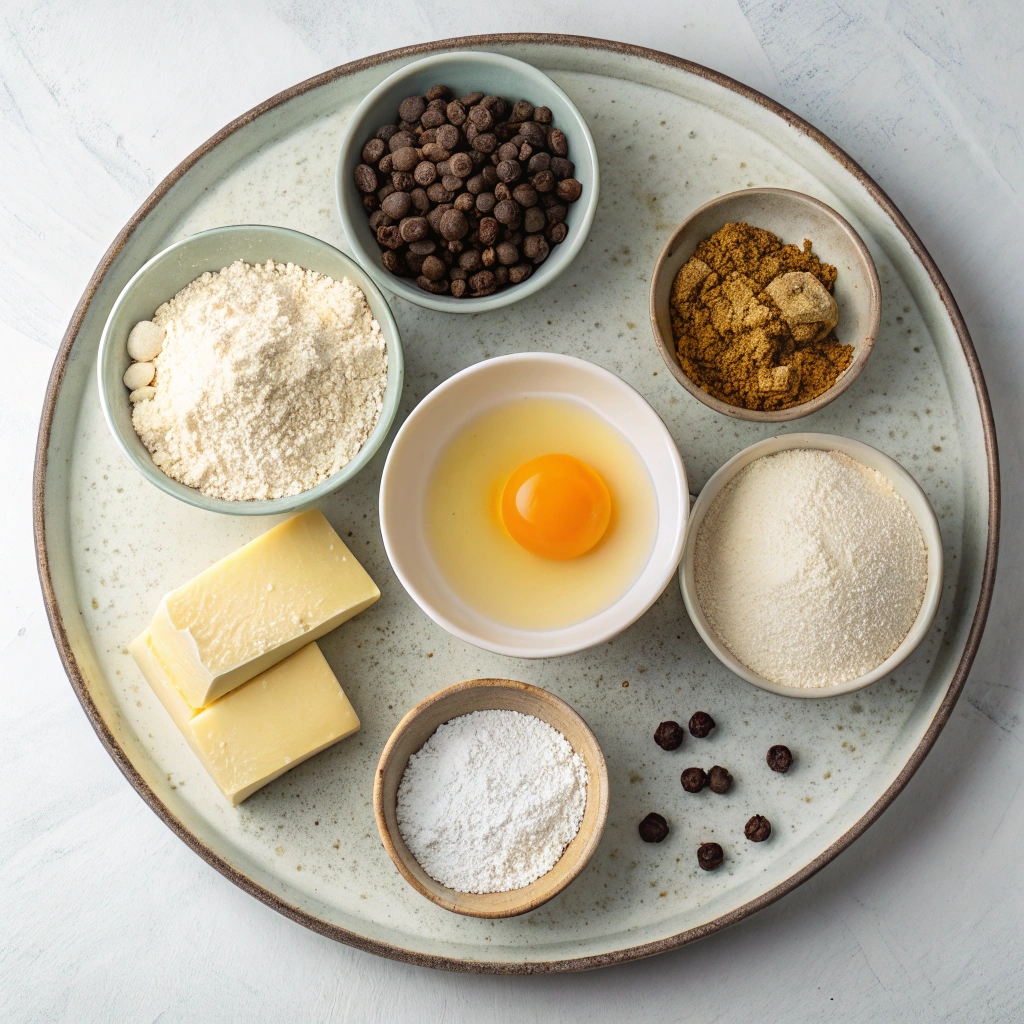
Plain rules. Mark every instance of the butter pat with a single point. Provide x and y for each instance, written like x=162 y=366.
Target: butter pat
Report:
x=257 y=606
x=264 y=727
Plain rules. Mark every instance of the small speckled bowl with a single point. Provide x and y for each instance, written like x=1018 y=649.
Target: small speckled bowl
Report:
x=465 y=72
x=474 y=391
x=793 y=217
x=488 y=695
x=904 y=485
x=164 y=276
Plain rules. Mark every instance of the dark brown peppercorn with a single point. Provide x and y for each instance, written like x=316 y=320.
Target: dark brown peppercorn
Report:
x=653 y=829
x=556 y=213
x=701 y=724
x=758 y=828
x=495 y=104
x=558 y=143
x=464 y=201
x=389 y=237
x=411 y=109
x=490 y=176
x=414 y=228
x=424 y=248
x=384 y=164
x=556 y=233
x=481 y=117
x=533 y=220
x=543 y=181
x=365 y=178
x=719 y=779
x=378 y=219
x=414 y=263
x=391 y=261
x=461 y=165
x=373 y=151
x=485 y=202
x=500 y=275
x=400 y=140
x=435 y=287
x=438 y=92
x=507 y=253
x=710 y=856
x=536 y=248
x=433 y=119
x=403 y=181
x=533 y=134
x=779 y=758
x=506 y=211
x=668 y=735
x=486 y=142
x=519 y=273
x=470 y=261
x=453 y=224
x=404 y=159
x=488 y=229
x=569 y=189
x=425 y=173
x=385 y=131
x=456 y=112
x=482 y=283
x=370 y=202
x=693 y=780
x=472 y=98
x=507 y=151
x=502 y=192
x=437 y=193
x=397 y=205
x=488 y=257
x=525 y=195
x=562 y=168
x=542 y=115
x=459 y=288
x=446 y=136
x=508 y=171
x=452 y=183
x=539 y=162
x=433 y=268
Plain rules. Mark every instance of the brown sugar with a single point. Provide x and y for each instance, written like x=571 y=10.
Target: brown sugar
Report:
x=752 y=320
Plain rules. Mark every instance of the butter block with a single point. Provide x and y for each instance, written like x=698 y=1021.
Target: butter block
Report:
x=258 y=605
x=262 y=728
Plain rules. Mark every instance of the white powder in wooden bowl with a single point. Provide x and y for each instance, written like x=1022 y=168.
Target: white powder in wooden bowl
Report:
x=490 y=802
x=270 y=379
x=810 y=568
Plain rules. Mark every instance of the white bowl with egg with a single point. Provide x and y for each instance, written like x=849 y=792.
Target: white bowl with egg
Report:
x=903 y=484
x=419 y=454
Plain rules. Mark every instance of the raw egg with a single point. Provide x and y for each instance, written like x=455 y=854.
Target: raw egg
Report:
x=556 y=506
x=539 y=514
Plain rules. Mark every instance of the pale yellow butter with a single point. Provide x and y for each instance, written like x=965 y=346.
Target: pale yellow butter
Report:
x=258 y=605
x=264 y=727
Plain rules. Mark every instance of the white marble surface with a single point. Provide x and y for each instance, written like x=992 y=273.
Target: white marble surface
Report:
x=105 y=916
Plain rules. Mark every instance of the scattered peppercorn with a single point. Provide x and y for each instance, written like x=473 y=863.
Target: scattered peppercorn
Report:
x=701 y=724
x=779 y=758
x=457 y=185
x=653 y=829
x=758 y=829
x=668 y=735
x=710 y=856
x=693 y=780
x=719 y=779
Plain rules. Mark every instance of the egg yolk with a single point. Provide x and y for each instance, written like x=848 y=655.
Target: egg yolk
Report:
x=556 y=506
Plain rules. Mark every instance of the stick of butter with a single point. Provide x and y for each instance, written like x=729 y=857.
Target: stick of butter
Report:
x=260 y=729
x=256 y=606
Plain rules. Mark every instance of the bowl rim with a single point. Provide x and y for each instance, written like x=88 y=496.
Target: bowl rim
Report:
x=564 y=253
x=667 y=346
x=291 y=502
x=929 y=525
x=553 y=650
x=590 y=845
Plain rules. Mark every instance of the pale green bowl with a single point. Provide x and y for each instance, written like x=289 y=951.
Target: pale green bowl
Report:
x=164 y=276
x=466 y=71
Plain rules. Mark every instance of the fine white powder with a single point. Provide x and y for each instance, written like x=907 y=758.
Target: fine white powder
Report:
x=810 y=568
x=491 y=800
x=271 y=379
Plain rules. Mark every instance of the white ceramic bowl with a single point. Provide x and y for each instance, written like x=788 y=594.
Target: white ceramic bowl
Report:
x=162 y=277
x=465 y=72
x=905 y=486
x=461 y=398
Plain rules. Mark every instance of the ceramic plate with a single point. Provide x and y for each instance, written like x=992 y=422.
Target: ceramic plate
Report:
x=670 y=135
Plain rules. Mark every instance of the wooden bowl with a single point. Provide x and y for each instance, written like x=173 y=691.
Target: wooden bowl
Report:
x=793 y=217
x=488 y=695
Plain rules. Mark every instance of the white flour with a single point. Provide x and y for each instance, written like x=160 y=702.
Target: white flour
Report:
x=271 y=378
x=491 y=800
x=810 y=568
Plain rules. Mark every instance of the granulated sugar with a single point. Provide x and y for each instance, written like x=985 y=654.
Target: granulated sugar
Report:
x=270 y=379
x=810 y=568
x=491 y=800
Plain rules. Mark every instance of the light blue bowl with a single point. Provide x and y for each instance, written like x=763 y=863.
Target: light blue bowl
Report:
x=465 y=72
x=164 y=276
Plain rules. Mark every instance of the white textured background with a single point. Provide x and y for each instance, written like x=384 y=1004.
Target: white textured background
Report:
x=105 y=916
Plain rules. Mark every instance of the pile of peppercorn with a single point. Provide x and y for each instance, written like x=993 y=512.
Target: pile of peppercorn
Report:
x=467 y=195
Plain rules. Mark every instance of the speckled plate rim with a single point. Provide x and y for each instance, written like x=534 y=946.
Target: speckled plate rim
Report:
x=945 y=709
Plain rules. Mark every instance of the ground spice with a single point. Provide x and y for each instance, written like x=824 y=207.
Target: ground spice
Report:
x=752 y=320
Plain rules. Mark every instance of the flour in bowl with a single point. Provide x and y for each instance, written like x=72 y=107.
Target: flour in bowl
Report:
x=270 y=379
